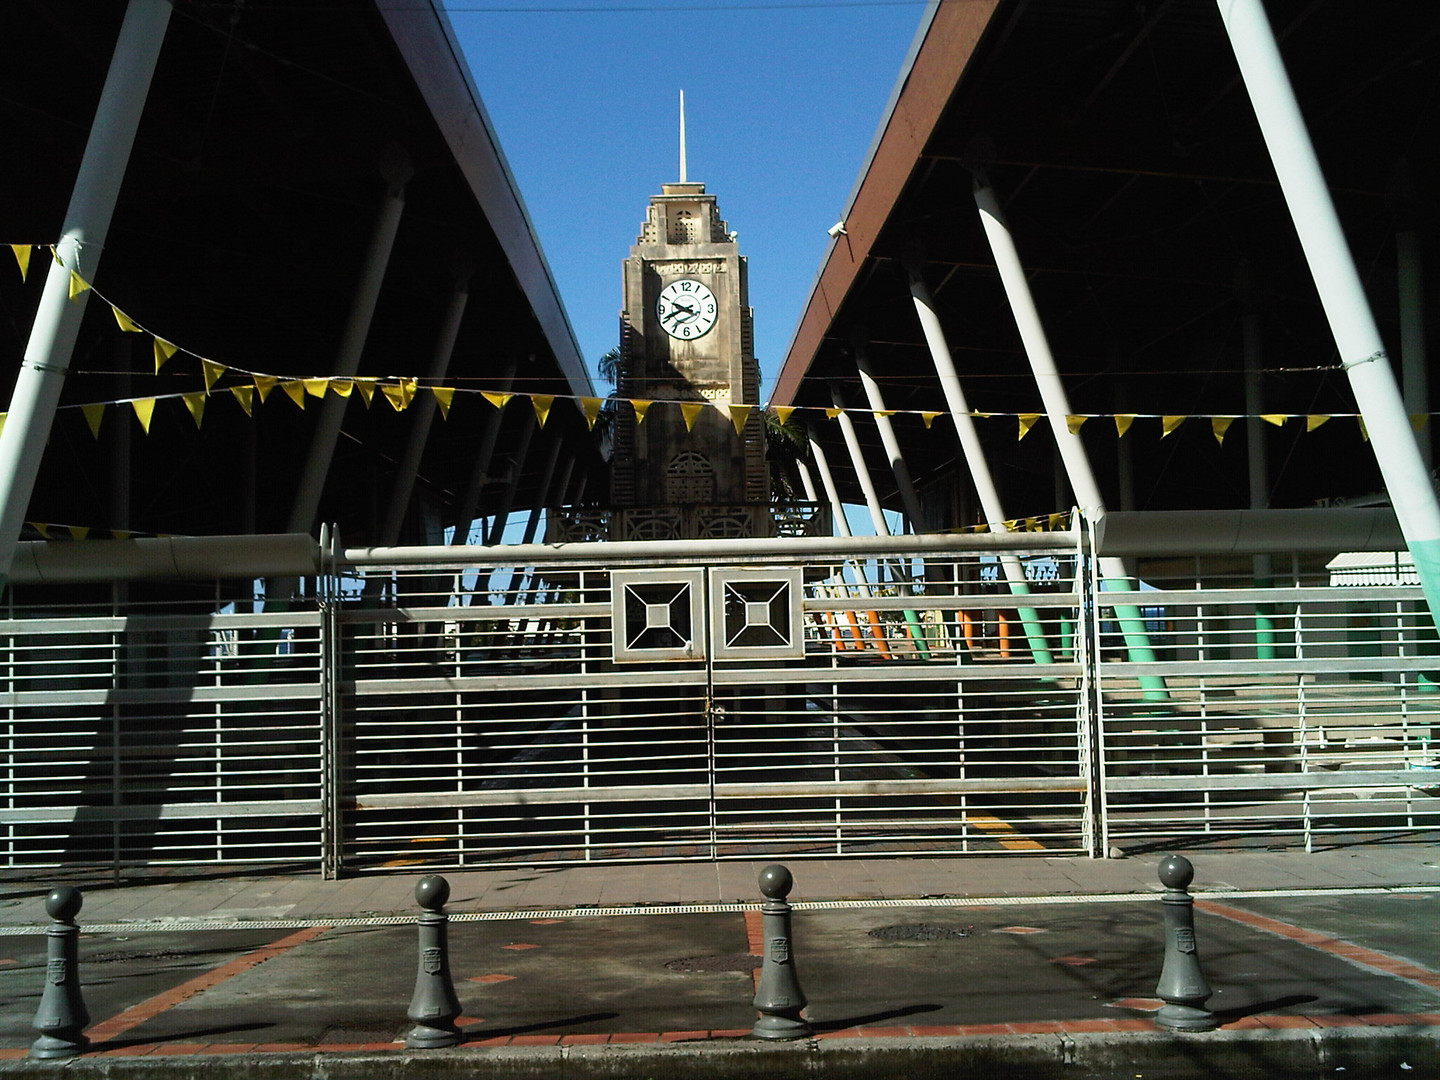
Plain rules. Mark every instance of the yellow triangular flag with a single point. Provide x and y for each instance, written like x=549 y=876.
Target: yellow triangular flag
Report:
x=1364 y=431
x=399 y=400
x=833 y=413
x=1056 y=520
x=40 y=527
x=884 y=412
x=640 y=407
x=1027 y=421
x=263 y=385
x=77 y=285
x=367 y=389
x=296 y=389
x=542 y=404
x=1314 y=420
x=78 y=532
x=316 y=387
x=126 y=323
x=496 y=399
x=1169 y=424
x=738 y=415
x=144 y=409
x=343 y=387
x=1122 y=423
x=1073 y=424
x=245 y=395
x=163 y=351
x=591 y=406
x=784 y=412
x=196 y=404
x=929 y=418
x=1276 y=418
x=3 y=417
x=1219 y=425
x=691 y=410
x=22 y=256
x=444 y=395
x=1418 y=421
x=982 y=527
x=93 y=415
x=213 y=371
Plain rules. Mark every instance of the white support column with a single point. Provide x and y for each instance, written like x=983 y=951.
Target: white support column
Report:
x=832 y=493
x=1057 y=408
x=396 y=170
x=876 y=398
x=974 y=455
x=1414 y=375
x=82 y=239
x=1352 y=324
x=469 y=503
x=857 y=461
x=423 y=414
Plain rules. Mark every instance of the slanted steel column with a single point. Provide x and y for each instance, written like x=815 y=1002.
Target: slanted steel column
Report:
x=82 y=239
x=842 y=527
x=1258 y=468
x=876 y=398
x=1414 y=376
x=857 y=461
x=1362 y=353
x=496 y=532
x=974 y=454
x=469 y=503
x=423 y=413
x=543 y=494
x=1057 y=408
x=396 y=170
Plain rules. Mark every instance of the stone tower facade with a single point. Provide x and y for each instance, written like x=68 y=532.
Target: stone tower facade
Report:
x=686 y=335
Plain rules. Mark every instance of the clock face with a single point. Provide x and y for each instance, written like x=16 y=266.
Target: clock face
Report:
x=686 y=309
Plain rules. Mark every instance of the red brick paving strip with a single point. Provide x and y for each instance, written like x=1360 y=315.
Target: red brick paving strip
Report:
x=137 y=1014
x=1376 y=961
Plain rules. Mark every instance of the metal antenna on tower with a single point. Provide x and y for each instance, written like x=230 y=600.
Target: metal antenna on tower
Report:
x=682 y=136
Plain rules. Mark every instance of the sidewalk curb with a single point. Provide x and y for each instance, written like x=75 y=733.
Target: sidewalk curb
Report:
x=1242 y=1055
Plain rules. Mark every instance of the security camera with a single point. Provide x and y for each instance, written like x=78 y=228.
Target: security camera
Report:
x=838 y=229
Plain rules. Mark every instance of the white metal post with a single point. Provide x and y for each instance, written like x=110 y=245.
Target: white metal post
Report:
x=1352 y=324
x=82 y=239
x=873 y=394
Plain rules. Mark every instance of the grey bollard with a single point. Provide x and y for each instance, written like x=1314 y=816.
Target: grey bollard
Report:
x=779 y=998
x=62 y=1016
x=434 y=1006
x=1182 y=984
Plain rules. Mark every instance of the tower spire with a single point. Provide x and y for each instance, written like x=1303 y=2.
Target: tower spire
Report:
x=682 y=136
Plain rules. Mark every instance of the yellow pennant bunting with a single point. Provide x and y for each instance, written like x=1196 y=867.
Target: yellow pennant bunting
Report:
x=1027 y=421
x=1314 y=420
x=263 y=385
x=1169 y=424
x=929 y=418
x=982 y=527
x=784 y=412
x=444 y=395
x=1220 y=425
x=1276 y=418
x=1073 y=424
x=884 y=412
x=738 y=415
x=316 y=387
x=498 y=400
x=93 y=415
x=400 y=394
x=1418 y=421
x=691 y=410
x=78 y=532
x=296 y=389
x=120 y=534
x=163 y=351
x=343 y=387
x=542 y=404
x=591 y=406
x=3 y=417
x=640 y=406
x=833 y=413
x=245 y=395
x=1056 y=520
x=367 y=389
x=41 y=528
x=1122 y=423
x=77 y=285
x=126 y=323
x=213 y=371
x=144 y=410
x=1364 y=431
x=196 y=404
x=22 y=256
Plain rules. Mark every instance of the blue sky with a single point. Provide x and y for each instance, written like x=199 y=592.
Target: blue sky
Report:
x=782 y=100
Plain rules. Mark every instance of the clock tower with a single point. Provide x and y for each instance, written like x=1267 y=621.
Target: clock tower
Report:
x=686 y=336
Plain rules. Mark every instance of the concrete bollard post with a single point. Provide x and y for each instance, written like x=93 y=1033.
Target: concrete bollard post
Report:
x=1182 y=984
x=434 y=1006
x=62 y=1016
x=779 y=998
